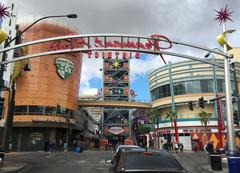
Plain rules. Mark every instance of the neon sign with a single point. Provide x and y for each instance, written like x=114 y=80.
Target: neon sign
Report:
x=156 y=42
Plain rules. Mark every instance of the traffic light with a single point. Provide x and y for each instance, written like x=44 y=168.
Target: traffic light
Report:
x=235 y=118
x=190 y=105
x=201 y=102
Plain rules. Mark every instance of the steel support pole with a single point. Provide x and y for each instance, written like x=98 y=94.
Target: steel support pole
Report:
x=217 y=107
x=172 y=98
x=229 y=112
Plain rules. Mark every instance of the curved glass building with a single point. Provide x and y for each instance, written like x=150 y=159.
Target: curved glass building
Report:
x=191 y=81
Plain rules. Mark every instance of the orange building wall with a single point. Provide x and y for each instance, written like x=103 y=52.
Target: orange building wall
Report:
x=42 y=85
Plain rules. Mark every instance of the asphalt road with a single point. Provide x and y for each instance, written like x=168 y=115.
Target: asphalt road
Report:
x=86 y=162
x=89 y=162
x=192 y=161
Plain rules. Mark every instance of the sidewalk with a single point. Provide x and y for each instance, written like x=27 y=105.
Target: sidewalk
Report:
x=207 y=168
x=12 y=167
x=188 y=158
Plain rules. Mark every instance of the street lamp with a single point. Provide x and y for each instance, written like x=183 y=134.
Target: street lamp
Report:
x=9 y=118
x=169 y=66
x=229 y=116
x=217 y=103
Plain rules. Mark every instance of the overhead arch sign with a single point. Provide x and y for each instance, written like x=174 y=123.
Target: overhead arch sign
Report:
x=156 y=42
x=103 y=45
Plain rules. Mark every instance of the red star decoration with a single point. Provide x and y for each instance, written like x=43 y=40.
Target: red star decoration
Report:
x=3 y=11
x=223 y=15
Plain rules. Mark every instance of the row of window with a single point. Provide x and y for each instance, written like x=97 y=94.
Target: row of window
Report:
x=43 y=110
x=188 y=87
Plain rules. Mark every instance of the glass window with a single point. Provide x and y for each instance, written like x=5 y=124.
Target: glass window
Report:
x=179 y=88
x=188 y=87
x=50 y=110
x=204 y=86
x=220 y=85
x=201 y=86
x=36 y=110
x=20 y=110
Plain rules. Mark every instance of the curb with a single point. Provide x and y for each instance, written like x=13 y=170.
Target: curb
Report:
x=207 y=168
x=19 y=168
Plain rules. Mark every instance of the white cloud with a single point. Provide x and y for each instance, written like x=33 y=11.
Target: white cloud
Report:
x=90 y=70
x=85 y=89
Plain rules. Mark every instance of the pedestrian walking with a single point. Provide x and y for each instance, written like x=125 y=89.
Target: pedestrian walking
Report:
x=176 y=147
x=210 y=147
x=181 y=147
x=54 y=147
x=195 y=147
x=65 y=146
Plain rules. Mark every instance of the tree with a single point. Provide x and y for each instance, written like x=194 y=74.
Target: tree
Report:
x=204 y=118
x=152 y=114
x=172 y=116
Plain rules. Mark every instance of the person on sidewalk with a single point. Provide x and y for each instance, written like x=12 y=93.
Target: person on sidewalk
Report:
x=210 y=147
x=65 y=147
x=181 y=147
x=176 y=147
x=195 y=147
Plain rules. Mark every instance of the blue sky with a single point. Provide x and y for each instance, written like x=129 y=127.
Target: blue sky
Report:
x=91 y=78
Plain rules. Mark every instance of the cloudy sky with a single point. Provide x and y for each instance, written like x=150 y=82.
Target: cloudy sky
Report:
x=186 y=20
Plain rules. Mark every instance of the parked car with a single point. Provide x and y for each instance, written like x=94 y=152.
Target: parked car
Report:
x=152 y=161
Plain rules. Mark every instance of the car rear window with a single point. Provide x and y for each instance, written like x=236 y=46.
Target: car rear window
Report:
x=151 y=161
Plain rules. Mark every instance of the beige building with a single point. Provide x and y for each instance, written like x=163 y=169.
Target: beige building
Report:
x=191 y=80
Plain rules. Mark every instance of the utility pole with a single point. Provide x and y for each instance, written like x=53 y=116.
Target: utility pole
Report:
x=172 y=98
x=229 y=113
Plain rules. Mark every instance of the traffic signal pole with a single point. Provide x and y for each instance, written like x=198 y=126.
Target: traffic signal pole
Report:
x=173 y=103
x=217 y=105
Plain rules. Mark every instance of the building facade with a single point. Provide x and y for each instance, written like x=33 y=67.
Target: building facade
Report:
x=46 y=96
x=191 y=81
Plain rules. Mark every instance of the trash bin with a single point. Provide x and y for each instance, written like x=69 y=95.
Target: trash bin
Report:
x=78 y=150
x=215 y=162
x=233 y=164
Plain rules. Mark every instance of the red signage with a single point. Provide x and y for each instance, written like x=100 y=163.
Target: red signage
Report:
x=156 y=43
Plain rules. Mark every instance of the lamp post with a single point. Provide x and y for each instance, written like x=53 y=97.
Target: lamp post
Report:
x=217 y=103
x=230 y=124
x=9 y=118
x=172 y=98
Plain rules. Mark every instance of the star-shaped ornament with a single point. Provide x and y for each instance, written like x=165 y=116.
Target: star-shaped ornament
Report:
x=116 y=64
x=223 y=15
x=3 y=11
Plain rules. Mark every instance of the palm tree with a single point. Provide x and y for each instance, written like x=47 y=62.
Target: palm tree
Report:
x=172 y=116
x=204 y=118
x=152 y=114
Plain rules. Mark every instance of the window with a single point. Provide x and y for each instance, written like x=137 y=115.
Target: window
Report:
x=36 y=110
x=188 y=87
x=50 y=110
x=20 y=110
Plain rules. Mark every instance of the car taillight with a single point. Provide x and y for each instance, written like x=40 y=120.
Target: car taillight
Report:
x=147 y=153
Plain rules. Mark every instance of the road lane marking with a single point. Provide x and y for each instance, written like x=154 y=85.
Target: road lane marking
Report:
x=51 y=155
x=102 y=161
x=82 y=161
